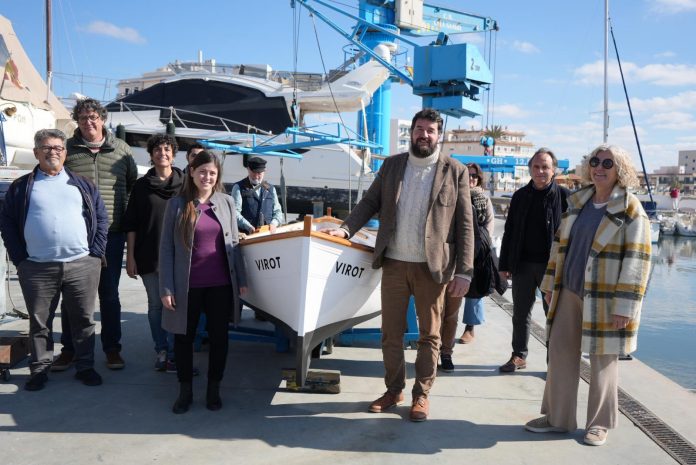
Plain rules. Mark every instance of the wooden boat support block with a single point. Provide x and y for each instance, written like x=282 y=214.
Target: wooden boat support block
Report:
x=13 y=349
x=322 y=381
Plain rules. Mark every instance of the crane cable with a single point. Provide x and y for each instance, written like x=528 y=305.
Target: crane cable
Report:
x=340 y=117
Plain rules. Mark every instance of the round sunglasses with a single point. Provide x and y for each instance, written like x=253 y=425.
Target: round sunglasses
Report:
x=607 y=163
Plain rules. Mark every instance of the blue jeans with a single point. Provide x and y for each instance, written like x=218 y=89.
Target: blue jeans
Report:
x=109 y=302
x=473 y=312
x=162 y=339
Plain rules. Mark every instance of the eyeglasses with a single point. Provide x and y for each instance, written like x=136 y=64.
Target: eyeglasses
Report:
x=85 y=118
x=607 y=163
x=51 y=148
x=473 y=175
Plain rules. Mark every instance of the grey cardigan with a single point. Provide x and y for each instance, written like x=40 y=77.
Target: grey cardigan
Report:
x=175 y=258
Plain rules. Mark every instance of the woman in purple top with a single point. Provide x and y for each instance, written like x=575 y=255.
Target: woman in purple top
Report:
x=201 y=270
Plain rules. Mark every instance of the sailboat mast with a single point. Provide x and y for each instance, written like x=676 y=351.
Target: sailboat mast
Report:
x=606 y=74
x=49 y=47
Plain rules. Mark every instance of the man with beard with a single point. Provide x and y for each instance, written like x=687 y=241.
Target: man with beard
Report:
x=424 y=247
x=256 y=200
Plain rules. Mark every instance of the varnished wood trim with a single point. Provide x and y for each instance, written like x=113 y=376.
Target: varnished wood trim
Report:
x=341 y=241
x=307 y=225
x=307 y=232
x=272 y=237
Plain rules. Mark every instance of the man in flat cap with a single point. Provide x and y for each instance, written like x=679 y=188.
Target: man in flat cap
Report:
x=256 y=200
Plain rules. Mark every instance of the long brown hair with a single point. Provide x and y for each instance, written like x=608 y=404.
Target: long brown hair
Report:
x=479 y=174
x=187 y=221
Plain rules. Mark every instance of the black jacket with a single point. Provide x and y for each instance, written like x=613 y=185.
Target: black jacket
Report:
x=145 y=214
x=555 y=204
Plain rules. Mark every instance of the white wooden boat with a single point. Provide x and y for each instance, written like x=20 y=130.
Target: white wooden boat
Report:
x=685 y=230
x=315 y=284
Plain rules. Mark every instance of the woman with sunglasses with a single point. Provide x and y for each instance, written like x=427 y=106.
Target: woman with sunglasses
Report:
x=201 y=269
x=594 y=284
x=473 y=308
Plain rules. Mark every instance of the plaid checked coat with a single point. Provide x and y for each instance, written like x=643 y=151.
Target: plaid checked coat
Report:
x=616 y=273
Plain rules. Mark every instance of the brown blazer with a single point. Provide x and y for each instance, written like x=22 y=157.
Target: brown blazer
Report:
x=449 y=234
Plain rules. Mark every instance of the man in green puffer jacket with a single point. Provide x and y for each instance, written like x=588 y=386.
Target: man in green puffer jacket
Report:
x=95 y=153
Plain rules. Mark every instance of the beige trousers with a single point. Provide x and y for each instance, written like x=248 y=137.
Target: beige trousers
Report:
x=561 y=391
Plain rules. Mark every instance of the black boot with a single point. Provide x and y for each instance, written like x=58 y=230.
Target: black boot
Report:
x=212 y=396
x=183 y=402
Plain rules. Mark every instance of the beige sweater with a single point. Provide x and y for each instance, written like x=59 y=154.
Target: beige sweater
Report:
x=408 y=242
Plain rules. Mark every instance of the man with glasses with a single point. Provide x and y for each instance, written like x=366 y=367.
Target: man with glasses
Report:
x=54 y=225
x=96 y=154
x=534 y=215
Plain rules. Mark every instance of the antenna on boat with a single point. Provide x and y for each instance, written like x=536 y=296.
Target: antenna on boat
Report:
x=49 y=55
x=606 y=76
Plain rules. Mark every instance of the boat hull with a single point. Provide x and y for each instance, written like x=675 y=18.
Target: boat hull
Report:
x=315 y=284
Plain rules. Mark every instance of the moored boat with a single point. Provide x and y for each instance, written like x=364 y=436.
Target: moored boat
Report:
x=314 y=284
x=686 y=230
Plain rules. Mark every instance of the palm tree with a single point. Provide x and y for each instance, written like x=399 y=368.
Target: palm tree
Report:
x=496 y=132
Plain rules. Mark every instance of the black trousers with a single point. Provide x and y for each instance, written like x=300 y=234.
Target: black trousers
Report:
x=217 y=304
x=525 y=282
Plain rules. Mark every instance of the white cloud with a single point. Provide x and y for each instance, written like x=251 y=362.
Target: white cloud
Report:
x=673 y=6
x=674 y=120
x=127 y=34
x=525 y=47
x=681 y=101
x=665 y=54
x=657 y=74
x=510 y=111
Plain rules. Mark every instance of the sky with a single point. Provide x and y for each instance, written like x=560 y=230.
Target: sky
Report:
x=548 y=59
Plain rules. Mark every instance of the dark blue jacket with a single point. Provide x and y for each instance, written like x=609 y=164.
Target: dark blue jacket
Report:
x=14 y=215
x=256 y=210
x=555 y=204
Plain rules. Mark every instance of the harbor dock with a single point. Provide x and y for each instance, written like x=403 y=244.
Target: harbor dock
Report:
x=477 y=414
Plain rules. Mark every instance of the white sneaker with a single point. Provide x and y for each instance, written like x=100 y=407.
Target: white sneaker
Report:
x=542 y=425
x=595 y=436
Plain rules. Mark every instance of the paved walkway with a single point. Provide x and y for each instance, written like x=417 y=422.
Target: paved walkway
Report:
x=476 y=413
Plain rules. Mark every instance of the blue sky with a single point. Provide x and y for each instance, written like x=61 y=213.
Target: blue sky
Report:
x=548 y=58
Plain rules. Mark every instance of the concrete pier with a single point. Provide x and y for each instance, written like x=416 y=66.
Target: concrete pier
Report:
x=477 y=414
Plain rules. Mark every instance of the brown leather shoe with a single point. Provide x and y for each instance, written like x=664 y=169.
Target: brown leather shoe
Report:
x=466 y=338
x=515 y=363
x=419 y=408
x=114 y=361
x=387 y=401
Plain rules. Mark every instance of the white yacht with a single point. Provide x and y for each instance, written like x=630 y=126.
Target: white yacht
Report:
x=247 y=104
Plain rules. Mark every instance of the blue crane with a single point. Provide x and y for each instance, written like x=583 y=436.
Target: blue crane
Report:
x=448 y=77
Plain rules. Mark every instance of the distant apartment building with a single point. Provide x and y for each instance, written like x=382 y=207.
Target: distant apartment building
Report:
x=687 y=159
x=510 y=144
x=400 y=132
x=664 y=177
x=468 y=142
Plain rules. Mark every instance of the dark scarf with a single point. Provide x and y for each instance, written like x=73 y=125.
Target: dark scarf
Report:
x=480 y=203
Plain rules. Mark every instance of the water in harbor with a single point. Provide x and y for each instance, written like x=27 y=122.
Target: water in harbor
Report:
x=667 y=337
